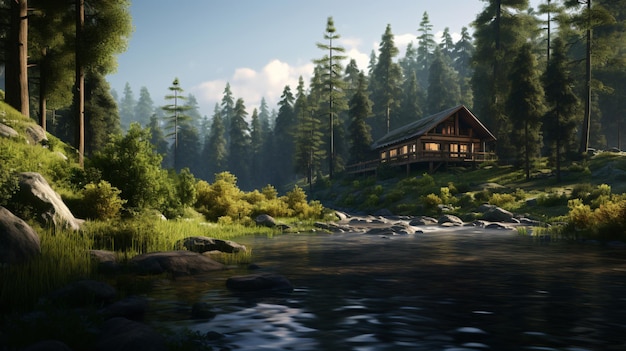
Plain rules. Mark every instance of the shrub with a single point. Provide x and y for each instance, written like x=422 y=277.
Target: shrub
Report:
x=269 y=192
x=501 y=200
x=431 y=203
x=102 y=201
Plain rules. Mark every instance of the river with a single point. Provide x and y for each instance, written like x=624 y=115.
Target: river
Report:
x=445 y=289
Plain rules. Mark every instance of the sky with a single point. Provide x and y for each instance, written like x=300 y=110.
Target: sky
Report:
x=260 y=46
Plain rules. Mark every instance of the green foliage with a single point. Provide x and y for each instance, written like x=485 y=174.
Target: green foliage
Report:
x=502 y=200
x=102 y=201
x=186 y=187
x=130 y=164
x=551 y=199
x=431 y=203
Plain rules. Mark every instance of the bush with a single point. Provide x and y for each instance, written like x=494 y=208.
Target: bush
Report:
x=502 y=200
x=431 y=203
x=102 y=201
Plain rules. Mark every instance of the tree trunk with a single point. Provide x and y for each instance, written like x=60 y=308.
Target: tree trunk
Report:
x=17 y=58
x=80 y=83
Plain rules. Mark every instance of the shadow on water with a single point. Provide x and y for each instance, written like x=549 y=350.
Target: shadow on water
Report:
x=461 y=289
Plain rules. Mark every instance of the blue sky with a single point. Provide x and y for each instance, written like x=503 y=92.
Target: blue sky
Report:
x=259 y=46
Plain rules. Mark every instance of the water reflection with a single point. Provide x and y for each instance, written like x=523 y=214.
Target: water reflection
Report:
x=442 y=290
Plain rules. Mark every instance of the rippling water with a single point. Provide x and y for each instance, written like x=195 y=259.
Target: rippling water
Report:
x=458 y=289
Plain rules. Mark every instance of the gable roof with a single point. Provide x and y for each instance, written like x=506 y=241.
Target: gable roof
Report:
x=423 y=125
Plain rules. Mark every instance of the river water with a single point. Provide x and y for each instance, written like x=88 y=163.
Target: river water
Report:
x=445 y=289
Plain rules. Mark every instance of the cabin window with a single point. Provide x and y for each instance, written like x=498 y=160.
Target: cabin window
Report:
x=463 y=148
x=404 y=150
x=412 y=148
x=383 y=155
x=431 y=146
x=393 y=152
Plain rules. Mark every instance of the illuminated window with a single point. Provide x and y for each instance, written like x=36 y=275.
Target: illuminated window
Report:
x=383 y=155
x=464 y=148
x=431 y=147
x=454 y=147
x=393 y=153
x=413 y=148
x=404 y=150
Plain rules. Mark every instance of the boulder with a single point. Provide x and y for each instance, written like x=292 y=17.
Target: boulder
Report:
x=83 y=293
x=121 y=334
x=497 y=214
x=396 y=229
x=259 y=282
x=450 y=220
x=422 y=220
x=498 y=226
x=49 y=209
x=36 y=135
x=342 y=216
x=8 y=132
x=132 y=307
x=106 y=260
x=265 y=220
x=176 y=262
x=18 y=241
x=202 y=244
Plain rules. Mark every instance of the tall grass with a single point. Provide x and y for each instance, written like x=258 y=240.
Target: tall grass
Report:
x=64 y=258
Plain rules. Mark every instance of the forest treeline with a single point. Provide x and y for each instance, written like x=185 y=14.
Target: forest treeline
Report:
x=548 y=82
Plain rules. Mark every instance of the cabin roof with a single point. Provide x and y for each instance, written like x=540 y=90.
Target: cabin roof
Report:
x=423 y=125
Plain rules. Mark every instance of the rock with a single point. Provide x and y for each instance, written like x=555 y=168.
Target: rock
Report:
x=342 y=216
x=202 y=244
x=259 y=282
x=121 y=334
x=106 y=260
x=18 y=241
x=265 y=220
x=498 y=226
x=422 y=220
x=8 y=132
x=83 y=293
x=497 y=214
x=450 y=220
x=396 y=229
x=175 y=262
x=484 y=208
x=133 y=308
x=36 y=135
x=49 y=209
x=48 y=345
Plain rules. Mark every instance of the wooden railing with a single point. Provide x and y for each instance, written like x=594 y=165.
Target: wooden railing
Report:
x=422 y=156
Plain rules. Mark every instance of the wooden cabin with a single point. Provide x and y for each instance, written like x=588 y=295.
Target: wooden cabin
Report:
x=452 y=136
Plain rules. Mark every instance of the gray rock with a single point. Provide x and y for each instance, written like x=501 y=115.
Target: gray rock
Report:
x=175 y=262
x=396 y=229
x=83 y=293
x=8 y=132
x=121 y=334
x=48 y=345
x=259 y=282
x=265 y=220
x=497 y=214
x=50 y=210
x=449 y=219
x=18 y=241
x=485 y=207
x=106 y=260
x=202 y=244
x=498 y=226
x=36 y=135
x=423 y=220
x=132 y=307
x=342 y=216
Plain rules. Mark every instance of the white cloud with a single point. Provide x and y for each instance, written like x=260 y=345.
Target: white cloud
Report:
x=252 y=86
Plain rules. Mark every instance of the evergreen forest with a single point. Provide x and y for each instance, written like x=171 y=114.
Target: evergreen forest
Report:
x=547 y=81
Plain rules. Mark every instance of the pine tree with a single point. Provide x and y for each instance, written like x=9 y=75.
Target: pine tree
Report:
x=176 y=116
x=360 y=132
x=447 y=46
x=157 y=137
x=188 y=152
x=144 y=108
x=385 y=85
x=256 y=149
x=500 y=30
x=101 y=113
x=228 y=106
x=214 y=153
x=332 y=68
x=412 y=102
x=425 y=49
x=308 y=136
x=559 y=126
x=443 y=88
x=239 y=155
x=283 y=145
x=525 y=107
x=127 y=107
x=463 y=52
